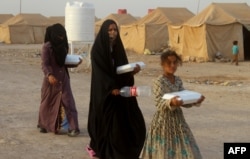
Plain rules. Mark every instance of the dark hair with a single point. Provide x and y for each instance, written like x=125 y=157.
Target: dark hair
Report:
x=165 y=55
x=235 y=42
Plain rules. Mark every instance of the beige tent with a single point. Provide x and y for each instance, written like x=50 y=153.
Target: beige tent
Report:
x=151 y=32
x=4 y=17
x=57 y=19
x=120 y=19
x=213 y=30
x=24 y=29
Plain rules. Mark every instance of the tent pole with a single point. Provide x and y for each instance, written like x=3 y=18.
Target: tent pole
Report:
x=198 y=7
x=20 y=7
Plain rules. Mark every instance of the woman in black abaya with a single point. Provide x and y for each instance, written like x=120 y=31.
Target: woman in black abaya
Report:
x=115 y=125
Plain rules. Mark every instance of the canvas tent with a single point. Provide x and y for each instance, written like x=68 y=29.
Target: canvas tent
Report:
x=24 y=29
x=120 y=19
x=213 y=30
x=4 y=17
x=151 y=31
x=57 y=19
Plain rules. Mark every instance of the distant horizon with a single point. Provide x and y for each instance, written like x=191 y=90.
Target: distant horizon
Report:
x=138 y=8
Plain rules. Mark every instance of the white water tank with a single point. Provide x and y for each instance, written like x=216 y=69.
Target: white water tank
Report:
x=80 y=21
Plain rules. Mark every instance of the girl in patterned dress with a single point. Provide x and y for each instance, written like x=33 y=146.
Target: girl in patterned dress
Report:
x=169 y=136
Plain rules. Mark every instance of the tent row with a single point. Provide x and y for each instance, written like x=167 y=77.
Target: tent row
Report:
x=149 y=32
x=213 y=30
x=26 y=28
x=138 y=34
x=198 y=36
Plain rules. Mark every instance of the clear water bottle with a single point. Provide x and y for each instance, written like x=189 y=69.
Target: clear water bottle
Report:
x=135 y=91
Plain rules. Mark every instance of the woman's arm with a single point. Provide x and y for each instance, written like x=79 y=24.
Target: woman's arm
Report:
x=103 y=70
x=46 y=65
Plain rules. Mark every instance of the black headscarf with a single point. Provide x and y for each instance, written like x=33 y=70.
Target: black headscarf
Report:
x=47 y=34
x=102 y=46
x=56 y=35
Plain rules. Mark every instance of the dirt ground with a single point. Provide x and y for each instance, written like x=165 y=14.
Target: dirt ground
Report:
x=223 y=117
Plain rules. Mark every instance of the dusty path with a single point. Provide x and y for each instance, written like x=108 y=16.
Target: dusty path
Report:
x=224 y=116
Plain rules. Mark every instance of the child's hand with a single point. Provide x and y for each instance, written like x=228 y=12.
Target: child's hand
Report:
x=201 y=100
x=52 y=80
x=137 y=69
x=176 y=102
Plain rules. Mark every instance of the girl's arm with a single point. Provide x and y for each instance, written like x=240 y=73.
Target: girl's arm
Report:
x=159 y=89
x=46 y=66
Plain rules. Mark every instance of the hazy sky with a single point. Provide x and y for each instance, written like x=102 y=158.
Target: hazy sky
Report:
x=103 y=7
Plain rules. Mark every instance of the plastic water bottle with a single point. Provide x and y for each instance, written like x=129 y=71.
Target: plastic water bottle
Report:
x=135 y=91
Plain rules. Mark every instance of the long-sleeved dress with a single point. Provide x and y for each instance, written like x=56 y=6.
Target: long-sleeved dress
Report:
x=55 y=96
x=169 y=136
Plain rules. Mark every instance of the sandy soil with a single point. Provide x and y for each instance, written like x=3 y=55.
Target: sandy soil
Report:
x=224 y=116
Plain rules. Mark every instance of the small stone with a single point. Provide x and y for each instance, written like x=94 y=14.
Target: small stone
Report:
x=226 y=83
x=2 y=141
x=186 y=59
x=197 y=82
x=200 y=60
x=14 y=142
x=208 y=82
x=147 y=52
x=192 y=58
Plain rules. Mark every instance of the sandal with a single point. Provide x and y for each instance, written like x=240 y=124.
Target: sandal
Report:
x=90 y=151
x=42 y=130
x=73 y=133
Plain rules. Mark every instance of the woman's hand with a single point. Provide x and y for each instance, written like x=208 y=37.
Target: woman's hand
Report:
x=176 y=102
x=201 y=100
x=115 y=92
x=137 y=69
x=80 y=61
x=52 y=80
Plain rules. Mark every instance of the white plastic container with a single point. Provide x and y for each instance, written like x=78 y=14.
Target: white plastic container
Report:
x=80 y=21
x=129 y=67
x=188 y=97
x=72 y=59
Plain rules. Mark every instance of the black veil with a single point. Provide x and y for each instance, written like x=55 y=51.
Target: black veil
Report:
x=56 y=35
x=115 y=124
